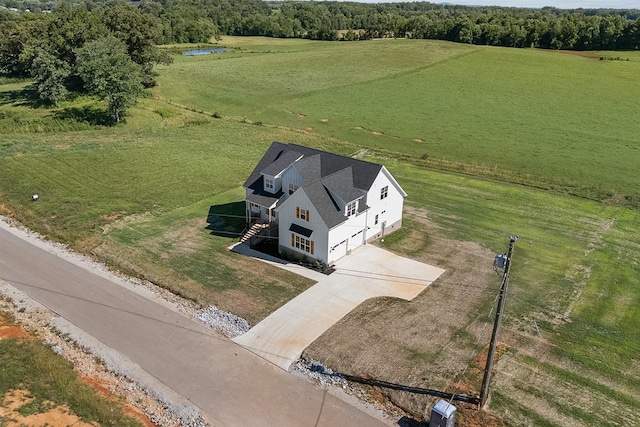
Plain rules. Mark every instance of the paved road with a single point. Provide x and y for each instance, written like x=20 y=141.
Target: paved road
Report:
x=368 y=272
x=231 y=385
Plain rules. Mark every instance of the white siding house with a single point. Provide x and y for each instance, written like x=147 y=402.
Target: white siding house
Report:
x=325 y=205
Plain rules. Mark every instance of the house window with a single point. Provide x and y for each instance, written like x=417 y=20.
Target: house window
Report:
x=303 y=214
x=376 y=221
x=351 y=208
x=292 y=187
x=302 y=243
x=384 y=192
x=268 y=183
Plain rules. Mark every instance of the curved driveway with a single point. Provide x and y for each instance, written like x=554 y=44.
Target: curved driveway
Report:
x=229 y=384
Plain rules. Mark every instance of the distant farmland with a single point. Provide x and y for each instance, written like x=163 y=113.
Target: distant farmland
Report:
x=563 y=121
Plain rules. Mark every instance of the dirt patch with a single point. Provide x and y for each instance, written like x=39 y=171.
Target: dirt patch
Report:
x=125 y=221
x=584 y=54
x=426 y=342
x=308 y=128
x=302 y=116
x=14 y=400
x=418 y=140
x=103 y=387
x=325 y=120
x=113 y=216
x=12 y=331
x=4 y=210
x=375 y=132
x=62 y=146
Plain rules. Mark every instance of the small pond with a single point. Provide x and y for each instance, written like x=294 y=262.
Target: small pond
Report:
x=207 y=51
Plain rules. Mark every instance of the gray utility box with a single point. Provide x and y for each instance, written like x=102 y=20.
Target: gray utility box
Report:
x=443 y=414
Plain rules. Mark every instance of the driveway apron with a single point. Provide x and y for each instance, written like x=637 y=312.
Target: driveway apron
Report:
x=368 y=272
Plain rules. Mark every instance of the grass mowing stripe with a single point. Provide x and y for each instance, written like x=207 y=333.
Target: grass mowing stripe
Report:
x=522 y=414
x=581 y=381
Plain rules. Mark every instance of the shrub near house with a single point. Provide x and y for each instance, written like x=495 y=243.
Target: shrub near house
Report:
x=324 y=204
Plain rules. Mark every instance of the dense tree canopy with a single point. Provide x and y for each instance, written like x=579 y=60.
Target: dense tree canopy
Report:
x=108 y=51
x=178 y=21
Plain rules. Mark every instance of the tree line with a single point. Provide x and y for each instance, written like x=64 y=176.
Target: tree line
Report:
x=197 y=21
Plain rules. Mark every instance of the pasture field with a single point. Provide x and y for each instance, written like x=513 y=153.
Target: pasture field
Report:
x=159 y=195
x=553 y=120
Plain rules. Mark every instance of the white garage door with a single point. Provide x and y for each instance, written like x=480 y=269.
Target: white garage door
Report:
x=338 y=251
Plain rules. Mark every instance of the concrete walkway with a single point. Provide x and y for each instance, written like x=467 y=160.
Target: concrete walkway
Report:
x=166 y=351
x=368 y=272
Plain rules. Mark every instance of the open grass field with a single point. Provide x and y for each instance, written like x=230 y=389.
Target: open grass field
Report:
x=151 y=196
x=554 y=120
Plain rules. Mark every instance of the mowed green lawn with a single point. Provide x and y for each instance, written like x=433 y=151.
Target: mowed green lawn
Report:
x=139 y=195
x=539 y=117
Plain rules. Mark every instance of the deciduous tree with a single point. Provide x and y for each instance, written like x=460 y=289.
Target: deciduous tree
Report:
x=108 y=72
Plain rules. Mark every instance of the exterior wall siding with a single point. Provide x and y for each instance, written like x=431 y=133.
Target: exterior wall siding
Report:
x=389 y=209
x=290 y=176
x=287 y=216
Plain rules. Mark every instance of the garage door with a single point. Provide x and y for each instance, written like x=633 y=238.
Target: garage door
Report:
x=338 y=251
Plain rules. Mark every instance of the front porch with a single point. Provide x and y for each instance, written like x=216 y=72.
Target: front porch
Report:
x=258 y=214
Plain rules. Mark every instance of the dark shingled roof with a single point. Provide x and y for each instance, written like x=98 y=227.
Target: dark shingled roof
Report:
x=347 y=178
x=283 y=162
x=309 y=168
x=269 y=157
x=261 y=197
x=324 y=204
x=341 y=184
x=364 y=173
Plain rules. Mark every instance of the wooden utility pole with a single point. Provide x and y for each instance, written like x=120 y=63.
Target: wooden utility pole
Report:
x=484 y=393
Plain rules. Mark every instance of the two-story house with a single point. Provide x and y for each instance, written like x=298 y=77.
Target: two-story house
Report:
x=325 y=204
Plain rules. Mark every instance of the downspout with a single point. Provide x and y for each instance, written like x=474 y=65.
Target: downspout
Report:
x=366 y=226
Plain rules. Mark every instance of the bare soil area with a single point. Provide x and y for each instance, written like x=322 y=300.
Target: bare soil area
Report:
x=60 y=415
x=429 y=342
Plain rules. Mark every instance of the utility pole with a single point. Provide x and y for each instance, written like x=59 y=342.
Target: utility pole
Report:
x=484 y=393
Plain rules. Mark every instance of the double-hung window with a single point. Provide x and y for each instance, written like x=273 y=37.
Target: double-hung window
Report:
x=302 y=243
x=292 y=187
x=384 y=192
x=302 y=214
x=351 y=208
x=268 y=183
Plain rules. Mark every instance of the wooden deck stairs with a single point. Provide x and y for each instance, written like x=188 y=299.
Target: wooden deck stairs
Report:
x=254 y=230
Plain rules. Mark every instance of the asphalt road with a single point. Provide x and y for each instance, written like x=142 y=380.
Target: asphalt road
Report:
x=232 y=386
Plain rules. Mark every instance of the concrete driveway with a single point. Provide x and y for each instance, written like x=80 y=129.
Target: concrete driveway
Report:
x=368 y=272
